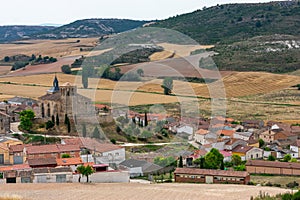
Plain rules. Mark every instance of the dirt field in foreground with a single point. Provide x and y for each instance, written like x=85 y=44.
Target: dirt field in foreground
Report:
x=134 y=191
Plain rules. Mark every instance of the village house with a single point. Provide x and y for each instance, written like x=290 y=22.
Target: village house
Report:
x=193 y=175
x=4 y=123
x=185 y=129
x=53 y=175
x=69 y=162
x=253 y=124
x=244 y=136
x=233 y=143
x=295 y=147
x=275 y=133
x=51 y=151
x=16 y=174
x=49 y=162
x=140 y=167
x=17 y=154
x=248 y=152
x=5 y=144
x=226 y=133
x=201 y=136
x=273 y=167
x=197 y=154
x=99 y=153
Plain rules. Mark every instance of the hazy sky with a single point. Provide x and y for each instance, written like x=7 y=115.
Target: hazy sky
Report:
x=35 y=12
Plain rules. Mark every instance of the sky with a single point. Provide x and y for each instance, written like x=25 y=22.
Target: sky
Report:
x=36 y=12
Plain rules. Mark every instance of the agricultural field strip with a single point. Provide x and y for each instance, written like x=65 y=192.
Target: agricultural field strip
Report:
x=158 y=93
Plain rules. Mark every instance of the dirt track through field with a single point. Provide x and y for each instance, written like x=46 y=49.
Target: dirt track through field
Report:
x=135 y=191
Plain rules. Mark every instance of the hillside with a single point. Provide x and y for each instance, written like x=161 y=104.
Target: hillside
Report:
x=90 y=28
x=274 y=53
x=235 y=22
x=12 y=33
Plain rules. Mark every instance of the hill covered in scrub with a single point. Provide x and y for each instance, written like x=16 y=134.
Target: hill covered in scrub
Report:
x=235 y=22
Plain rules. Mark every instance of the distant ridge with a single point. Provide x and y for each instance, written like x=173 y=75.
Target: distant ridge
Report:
x=91 y=28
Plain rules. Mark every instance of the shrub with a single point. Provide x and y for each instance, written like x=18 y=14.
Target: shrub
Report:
x=66 y=69
x=292 y=184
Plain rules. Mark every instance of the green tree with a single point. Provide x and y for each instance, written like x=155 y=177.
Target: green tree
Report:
x=213 y=159
x=57 y=120
x=49 y=125
x=87 y=71
x=85 y=80
x=83 y=130
x=26 y=118
x=87 y=172
x=180 y=164
x=146 y=119
x=66 y=119
x=96 y=133
x=271 y=158
x=236 y=160
x=53 y=119
x=287 y=158
x=113 y=141
x=66 y=156
x=140 y=72
x=80 y=170
x=167 y=85
x=222 y=167
x=261 y=143
x=66 y=69
x=294 y=160
x=6 y=59
x=69 y=126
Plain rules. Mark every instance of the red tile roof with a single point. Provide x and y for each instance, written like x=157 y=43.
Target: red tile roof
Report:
x=68 y=148
x=202 y=132
x=228 y=133
x=41 y=162
x=210 y=172
x=68 y=161
x=273 y=164
x=242 y=149
x=226 y=153
x=52 y=148
x=198 y=154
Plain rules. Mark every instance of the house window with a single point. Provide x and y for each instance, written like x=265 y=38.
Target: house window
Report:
x=257 y=155
x=1 y=175
x=117 y=154
x=251 y=156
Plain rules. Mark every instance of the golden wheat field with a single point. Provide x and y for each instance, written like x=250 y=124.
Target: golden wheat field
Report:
x=249 y=94
x=238 y=84
x=4 y=70
x=135 y=191
x=54 y=48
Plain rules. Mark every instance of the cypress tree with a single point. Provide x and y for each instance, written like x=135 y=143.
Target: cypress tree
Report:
x=83 y=130
x=53 y=119
x=57 y=119
x=146 y=119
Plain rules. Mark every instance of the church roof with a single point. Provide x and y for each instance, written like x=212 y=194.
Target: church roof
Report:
x=51 y=97
x=67 y=84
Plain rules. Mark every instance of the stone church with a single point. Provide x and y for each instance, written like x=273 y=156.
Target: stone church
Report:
x=63 y=100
